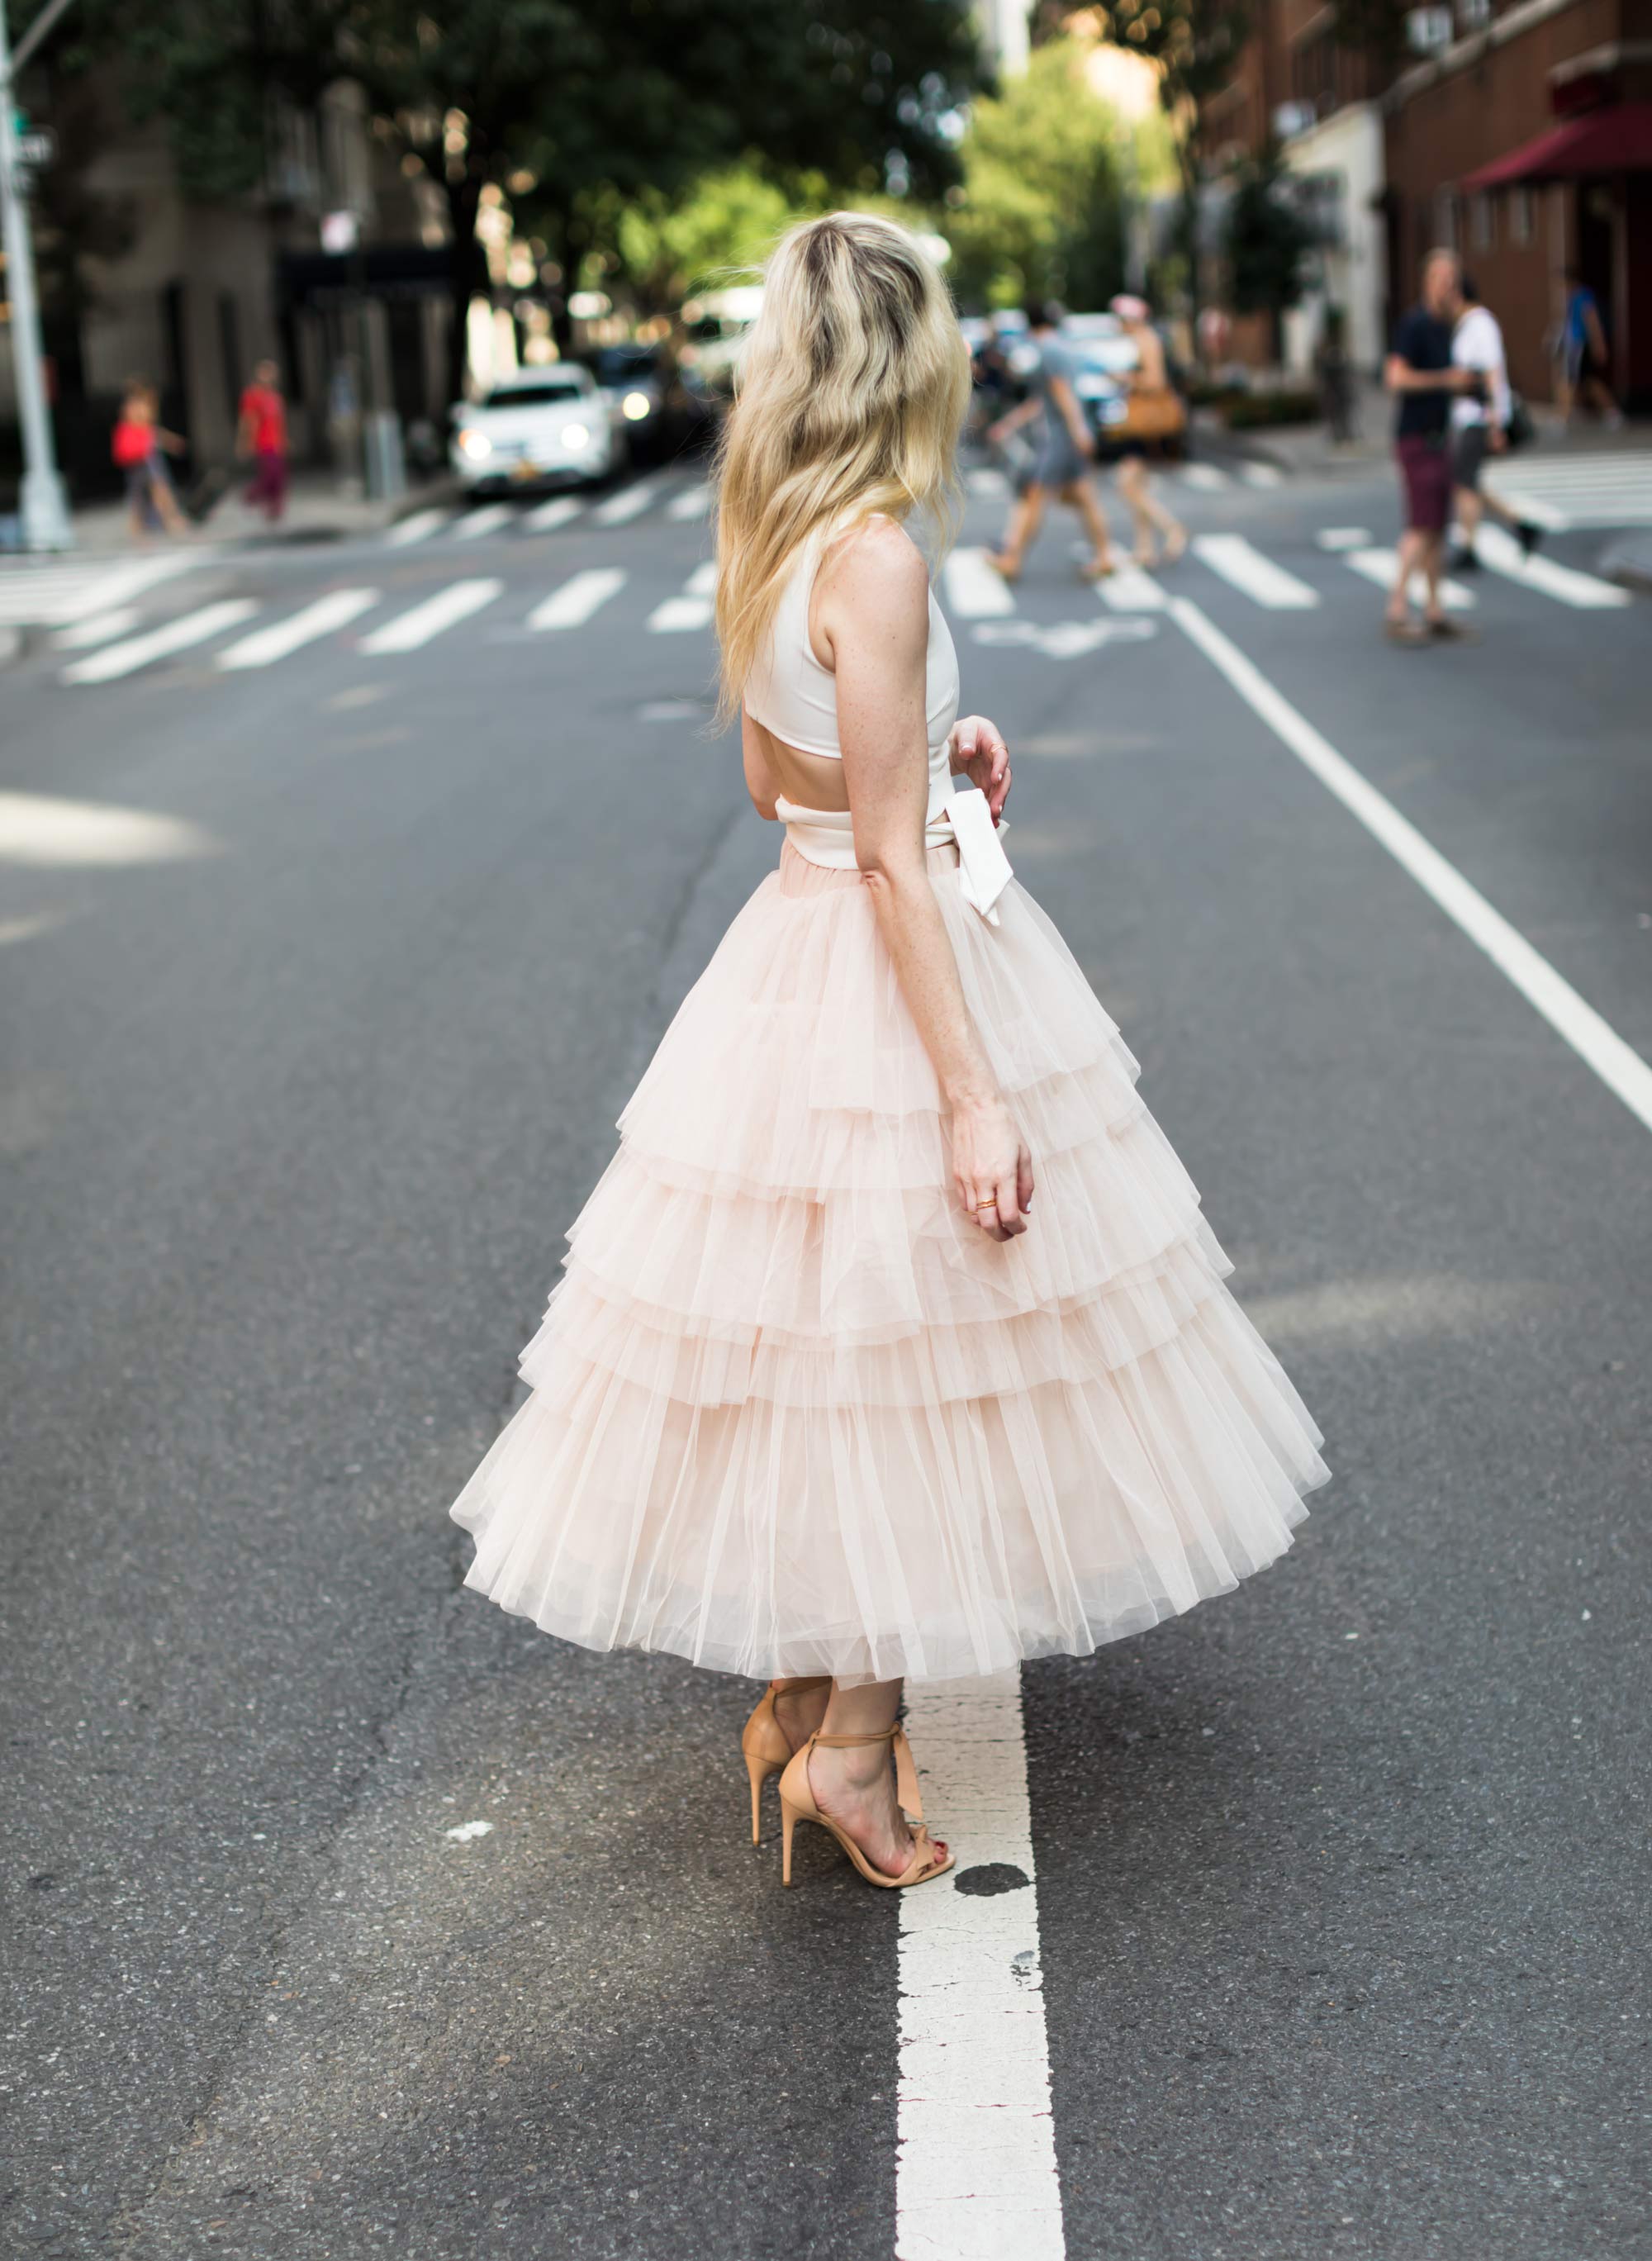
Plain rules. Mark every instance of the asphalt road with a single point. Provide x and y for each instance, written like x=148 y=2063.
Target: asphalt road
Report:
x=1341 y=1879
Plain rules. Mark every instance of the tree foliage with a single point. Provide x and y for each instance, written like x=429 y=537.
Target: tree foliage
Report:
x=1040 y=211
x=1266 y=240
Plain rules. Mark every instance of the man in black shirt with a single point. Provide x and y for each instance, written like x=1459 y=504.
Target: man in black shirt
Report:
x=1420 y=373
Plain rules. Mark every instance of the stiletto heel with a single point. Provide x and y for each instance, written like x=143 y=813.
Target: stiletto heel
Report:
x=764 y=1745
x=797 y=1804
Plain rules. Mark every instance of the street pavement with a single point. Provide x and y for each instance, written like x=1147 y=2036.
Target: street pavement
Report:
x=343 y=893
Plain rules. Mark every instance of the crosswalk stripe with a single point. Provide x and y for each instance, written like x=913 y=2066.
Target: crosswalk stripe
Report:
x=1585 y=591
x=1381 y=565
x=630 y=502
x=693 y=502
x=986 y=480
x=1203 y=475
x=418 y=526
x=974 y=590
x=1344 y=537
x=1261 y=475
x=1256 y=577
x=1127 y=589
x=410 y=629
x=117 y=659
x=1567 y=490
x=571 y=605
x=59 y=594
x=692 y=609
x=562 y=510
x=975 y=2167
x=488 y=519
x=334 y=611
x=97 y=628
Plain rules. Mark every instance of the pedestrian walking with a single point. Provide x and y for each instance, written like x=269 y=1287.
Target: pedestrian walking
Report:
x=1420 y=372
x=1584 y=357
x=1153 y=412
x=819 y=1399
x=262 y=438
x=1479 y=428
x=1066 y=454
x=140 y=448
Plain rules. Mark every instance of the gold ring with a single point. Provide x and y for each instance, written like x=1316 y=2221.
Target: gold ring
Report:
x=981 y=1205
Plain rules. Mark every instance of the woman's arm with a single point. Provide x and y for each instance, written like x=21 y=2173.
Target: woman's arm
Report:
x=761 y=783
x=1068 y=402
x=874 y=610
x=1014 y=419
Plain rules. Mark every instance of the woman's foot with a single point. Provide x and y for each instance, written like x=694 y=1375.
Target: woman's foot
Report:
x=855 y=1788
x=799 y=1708
x=1007 y=567
x=1099 y=567
x=1176 y=544
x=1146 y=556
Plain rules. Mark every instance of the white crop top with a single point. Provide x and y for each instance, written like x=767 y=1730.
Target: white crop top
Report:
x=793 y=696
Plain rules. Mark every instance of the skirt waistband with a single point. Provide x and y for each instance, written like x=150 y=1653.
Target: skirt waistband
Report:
x=960 y=818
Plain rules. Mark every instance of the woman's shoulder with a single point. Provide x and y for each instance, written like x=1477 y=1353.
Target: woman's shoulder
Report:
x=877 y=562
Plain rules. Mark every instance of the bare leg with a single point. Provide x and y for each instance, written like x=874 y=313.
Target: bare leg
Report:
x=1432 y=559
x=856 y=1787
x=1469 y=505
x=800 y=1711
x=1022 y=530
x=1410 y=561
x=1135 y=484
x=1082 y=496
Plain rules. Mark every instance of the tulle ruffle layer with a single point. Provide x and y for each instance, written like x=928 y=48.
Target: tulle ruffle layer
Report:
x=792 y=1412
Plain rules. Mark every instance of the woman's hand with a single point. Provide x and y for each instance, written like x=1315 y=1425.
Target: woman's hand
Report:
x=991 y=1168
x=979 y=753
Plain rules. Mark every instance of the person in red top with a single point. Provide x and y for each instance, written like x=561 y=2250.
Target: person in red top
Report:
x=139 y=446
x=262 y=437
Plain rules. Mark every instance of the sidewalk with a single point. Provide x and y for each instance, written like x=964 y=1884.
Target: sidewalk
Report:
x=318 y=510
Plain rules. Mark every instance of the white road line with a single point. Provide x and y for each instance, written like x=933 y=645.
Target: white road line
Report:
x=562 y=510
x=58 y=594
x=98 y=629
x=571 y=605
x=1380 y=566
x=1255 y=576
x=1564 y=582
x=974 y=590
x=1203 y=475
x=1129 y=590
x=693 y=502
x=488 y=519
x=1344 y=537
x=629 y=503
x=117 y=659
x=986 y=480
x=692 y=609
x=419 y=527
x=1620 y=1067
x=1261 y=475
x=336 y=610
x=975 y=2168
x=408 y=630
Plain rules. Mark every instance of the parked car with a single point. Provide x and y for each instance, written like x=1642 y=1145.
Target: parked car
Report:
x=644 y=390
x=540 y=427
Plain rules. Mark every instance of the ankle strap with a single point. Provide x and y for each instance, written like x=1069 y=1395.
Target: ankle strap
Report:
x=906 y=1774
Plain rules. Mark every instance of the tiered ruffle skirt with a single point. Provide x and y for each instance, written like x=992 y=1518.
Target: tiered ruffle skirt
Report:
x=793 y=1412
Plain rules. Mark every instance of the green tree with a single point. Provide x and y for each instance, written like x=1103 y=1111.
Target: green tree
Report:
x=1266 y=241
x=1040 y=211
x=717 y=231
x=582 y=99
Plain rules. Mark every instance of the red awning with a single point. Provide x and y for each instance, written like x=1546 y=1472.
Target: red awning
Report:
x=1615 y=141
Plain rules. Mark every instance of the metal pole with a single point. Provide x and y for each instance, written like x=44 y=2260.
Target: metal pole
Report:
x=43 y=503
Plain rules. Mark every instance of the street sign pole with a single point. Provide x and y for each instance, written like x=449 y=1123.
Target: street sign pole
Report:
x=43 y=503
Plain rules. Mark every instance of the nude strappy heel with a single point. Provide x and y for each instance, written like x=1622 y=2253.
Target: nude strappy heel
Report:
x=797 y=1804
x=763 y=1744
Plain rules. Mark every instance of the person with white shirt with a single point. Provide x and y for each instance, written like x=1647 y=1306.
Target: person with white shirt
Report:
x=1479 y=427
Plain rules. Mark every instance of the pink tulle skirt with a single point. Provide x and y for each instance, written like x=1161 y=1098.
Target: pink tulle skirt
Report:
x=792 y=1412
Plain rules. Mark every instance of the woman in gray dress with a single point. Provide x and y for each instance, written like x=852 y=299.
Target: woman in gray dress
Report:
x=1064 y=455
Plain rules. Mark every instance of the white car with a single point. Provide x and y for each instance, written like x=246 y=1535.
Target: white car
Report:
x=540 y=427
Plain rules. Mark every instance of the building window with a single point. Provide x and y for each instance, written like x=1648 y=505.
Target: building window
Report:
x=1447 y=234
x=1481 y=223
x=1473 y=15
x=1520 y=214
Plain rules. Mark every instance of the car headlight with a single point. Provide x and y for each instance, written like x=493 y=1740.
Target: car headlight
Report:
x=575 y=435
x=636 y=406
x=476 y=445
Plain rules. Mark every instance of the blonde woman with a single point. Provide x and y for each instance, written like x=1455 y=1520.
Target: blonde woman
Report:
x=892 y=1344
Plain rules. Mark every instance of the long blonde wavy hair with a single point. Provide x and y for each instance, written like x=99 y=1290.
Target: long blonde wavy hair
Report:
x=852 y=394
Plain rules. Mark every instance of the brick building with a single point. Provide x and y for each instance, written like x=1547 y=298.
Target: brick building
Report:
x=1520 y=132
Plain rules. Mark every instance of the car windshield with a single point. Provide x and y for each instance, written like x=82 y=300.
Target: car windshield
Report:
x=619 y=364
x=544 y=393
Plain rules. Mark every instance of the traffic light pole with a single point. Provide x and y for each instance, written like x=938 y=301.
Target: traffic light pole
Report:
x=43 y=503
